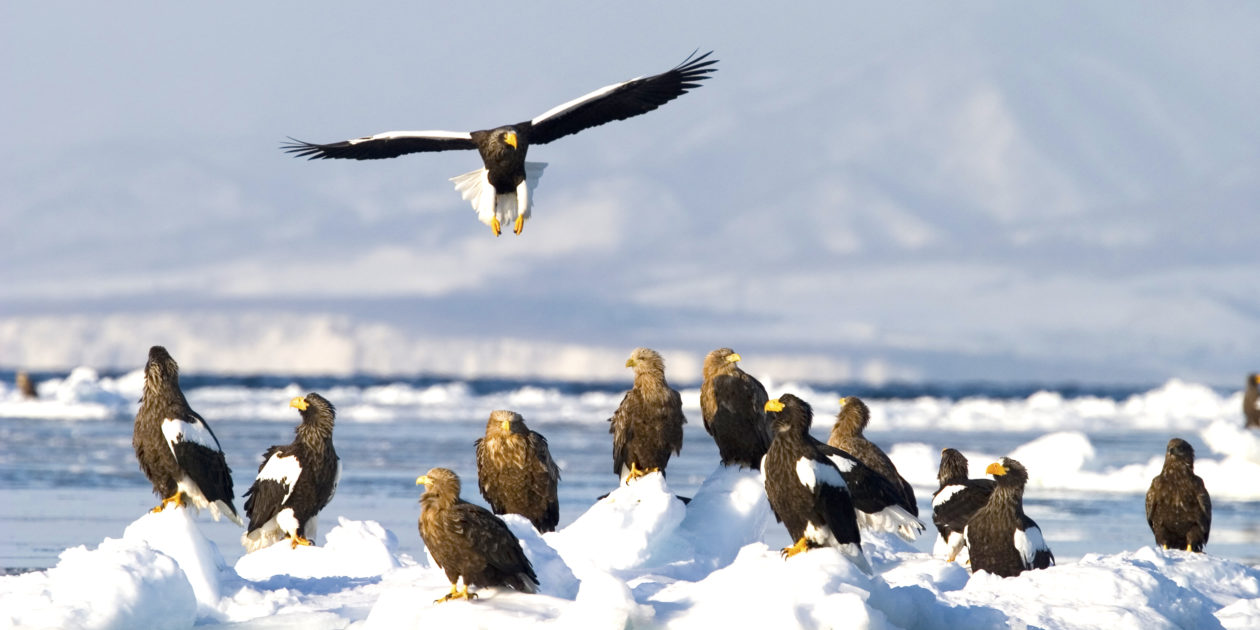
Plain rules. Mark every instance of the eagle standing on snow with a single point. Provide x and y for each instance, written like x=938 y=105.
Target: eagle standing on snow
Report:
x=648 y=425
x=1001 y=539
x=294 y=481
x=501 y=192
x=957 y=499
x=1178 y=507
x=733 y=404
x=515 y=471
x=846 y=435
x=805 y=487
x=473 y=546
x=176 y=448
x=1251 y=402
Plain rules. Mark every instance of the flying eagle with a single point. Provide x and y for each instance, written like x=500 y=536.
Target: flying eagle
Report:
x=846 y=435
x=1251 y=402
x=502 y=192
x=1178 y=507
x=733 y=404
x=1001 y=539
x=805 y=487
x=176 y=448
x=957 y=499
x=294 y=481
x=473 y=546
x=648 y=425
x=515 y=471
x=876 y=501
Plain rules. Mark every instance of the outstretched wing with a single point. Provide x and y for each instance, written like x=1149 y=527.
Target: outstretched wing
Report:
x=382 y=145
x=621 y=100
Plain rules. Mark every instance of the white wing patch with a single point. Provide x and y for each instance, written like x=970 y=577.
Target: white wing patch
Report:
x=812 y=472
x=843 y=463
x=285 y=470
x=945 y=493
x=177 y=430
x=474 y=187
x=564 y=107
x=390 y=135
x=1028 y=542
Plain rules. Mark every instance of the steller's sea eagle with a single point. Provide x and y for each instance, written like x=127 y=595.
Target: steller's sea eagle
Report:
x=501 y=192
x=176 y=448
x=957 y=499
x=846 y=435
x=1000 y=537
x=295 y=481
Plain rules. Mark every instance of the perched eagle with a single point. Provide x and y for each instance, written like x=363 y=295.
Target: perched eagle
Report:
x=875 y=500
x=733 y=404
x=846 y=435
x=473 y=546
x=1178 y=507
x=25 y=386
x=1001 y=539
x=805 y=488
x=176 y=448
x=515 y=472
x=294 y=481
x=1251 y=402
x=957 y=499
x=648 y=425
x=502 y=192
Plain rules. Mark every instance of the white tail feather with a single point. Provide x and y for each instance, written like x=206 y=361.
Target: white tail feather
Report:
x=474 y=187
x=893 y=518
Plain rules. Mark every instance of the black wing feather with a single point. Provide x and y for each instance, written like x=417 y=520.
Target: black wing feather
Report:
x=631 y=98
x=374 y=148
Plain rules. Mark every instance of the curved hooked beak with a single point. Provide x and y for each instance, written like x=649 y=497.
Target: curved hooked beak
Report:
x=298 y=403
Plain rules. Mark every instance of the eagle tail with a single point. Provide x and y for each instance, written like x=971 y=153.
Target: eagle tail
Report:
x=890 y=519
x=474 y=187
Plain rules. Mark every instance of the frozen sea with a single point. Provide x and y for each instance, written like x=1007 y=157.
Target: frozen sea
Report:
x=68 y=478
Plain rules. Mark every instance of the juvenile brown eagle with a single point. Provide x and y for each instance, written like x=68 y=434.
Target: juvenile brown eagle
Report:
x=473 y=546
x=876 y=501
x=501 y=193
x=295 y=481
x=1001 y=539
x=176 y=448
x=515 y=471
x=1178 y=507
x=1251 y=402
x=648 y=425
x=733 y=404
x=957 y=499
x=846 y=435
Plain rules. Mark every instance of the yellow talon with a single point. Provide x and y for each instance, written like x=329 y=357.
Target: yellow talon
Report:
x=799 y=546
x=494 y=225
x=177 y=499
x=520 y=224
x=298 y=540
x=636 y=472
x=456 y=594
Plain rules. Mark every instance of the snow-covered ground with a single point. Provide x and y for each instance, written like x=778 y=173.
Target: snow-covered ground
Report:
x=638 y=558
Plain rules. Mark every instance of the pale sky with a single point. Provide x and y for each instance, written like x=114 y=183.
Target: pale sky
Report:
x=928 y=191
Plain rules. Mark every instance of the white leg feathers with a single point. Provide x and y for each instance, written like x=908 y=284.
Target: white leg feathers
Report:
x=474 y=187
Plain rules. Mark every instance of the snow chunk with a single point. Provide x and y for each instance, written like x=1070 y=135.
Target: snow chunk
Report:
x=628 y=528
x=355 y=549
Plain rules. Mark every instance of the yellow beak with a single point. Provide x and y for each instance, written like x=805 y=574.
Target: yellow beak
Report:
x=298 y=403
x=629 y=362
x=507 y=425
x=995 y=469
x=843 y=401
x=733 y=357
x=423 y=479
x=774 y=405
x=510 y=138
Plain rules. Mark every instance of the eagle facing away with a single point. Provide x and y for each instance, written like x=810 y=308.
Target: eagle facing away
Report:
x=502 y=192
x=176 y=448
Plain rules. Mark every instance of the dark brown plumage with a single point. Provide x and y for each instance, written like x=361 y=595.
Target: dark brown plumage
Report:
x=501 y=192
x=733 y=405
x=515 y=472
x=295 y=481
x=648 y=425
x=471 y=545
x=1178 y=507
x=1251 y=402
x=846 y=435
x=25 y=386
x=957 y=499
x=1001 y=539
x=176 y=448
x=805 y=487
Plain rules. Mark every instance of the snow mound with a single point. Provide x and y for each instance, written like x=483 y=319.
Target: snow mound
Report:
x=354 y=549
x=174 y=532
x=728 y=511
x=634 y=525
